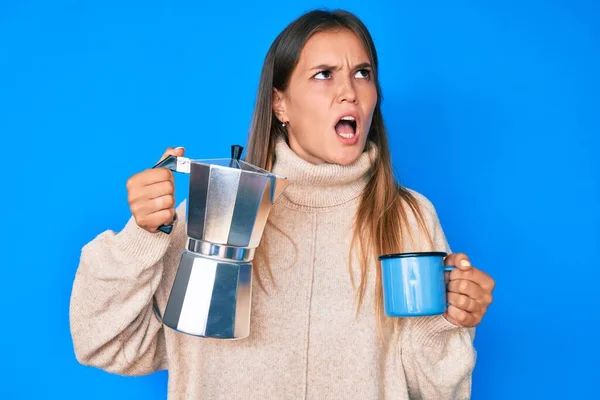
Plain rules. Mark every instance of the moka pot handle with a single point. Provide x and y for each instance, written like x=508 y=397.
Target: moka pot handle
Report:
x=182 y=165
x=175 y=164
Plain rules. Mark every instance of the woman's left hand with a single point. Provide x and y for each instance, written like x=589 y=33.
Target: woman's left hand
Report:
x=469 y=292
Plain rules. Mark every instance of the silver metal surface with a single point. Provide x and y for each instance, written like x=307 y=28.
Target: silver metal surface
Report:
x=230 y=206
x=219 y=251
x=229 y=203
x=210 y=298
x=263 y=213
x=221 y=198
x=198 y=191
x=195 y=308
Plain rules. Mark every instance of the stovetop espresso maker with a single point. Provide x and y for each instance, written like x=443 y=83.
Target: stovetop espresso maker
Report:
x=228 y=205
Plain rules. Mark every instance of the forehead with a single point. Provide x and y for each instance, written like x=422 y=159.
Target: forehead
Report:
x=331 y=47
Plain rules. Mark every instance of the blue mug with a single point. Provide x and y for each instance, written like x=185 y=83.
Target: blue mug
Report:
x=414 y=284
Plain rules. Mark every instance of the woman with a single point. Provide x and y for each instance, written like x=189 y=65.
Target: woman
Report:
x=318 y=329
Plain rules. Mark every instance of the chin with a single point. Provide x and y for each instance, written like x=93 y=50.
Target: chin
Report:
x=346 y=156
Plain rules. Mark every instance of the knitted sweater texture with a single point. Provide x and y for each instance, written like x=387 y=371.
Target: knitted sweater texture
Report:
x=307 y=341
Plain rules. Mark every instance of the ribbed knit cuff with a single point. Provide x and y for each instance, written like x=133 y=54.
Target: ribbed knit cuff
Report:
x=142 y=246
x=433 y=331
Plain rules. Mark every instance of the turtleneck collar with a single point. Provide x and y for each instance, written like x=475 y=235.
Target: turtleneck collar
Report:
x=323 y=185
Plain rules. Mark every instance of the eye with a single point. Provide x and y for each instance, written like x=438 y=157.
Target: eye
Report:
x=363 y=74
x=325 y=74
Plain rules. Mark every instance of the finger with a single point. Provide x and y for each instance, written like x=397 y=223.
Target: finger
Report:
x=156 y=219
x=464 y=318
x=467 y=288
x=475 y=275
x=151 y=191
x=177 y=152
x=160 y=203
x=158 y=189
x=463 y=302
x=147 y=207
x=459 y=260
x=149 y=177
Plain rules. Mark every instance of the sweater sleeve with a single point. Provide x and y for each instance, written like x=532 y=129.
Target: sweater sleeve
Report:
x=438 y=357
x=113 y=326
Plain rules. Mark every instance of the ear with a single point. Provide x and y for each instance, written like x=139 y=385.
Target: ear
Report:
x=279 y=106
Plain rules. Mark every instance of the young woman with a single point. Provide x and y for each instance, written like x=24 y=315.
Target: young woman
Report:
x=318 y=328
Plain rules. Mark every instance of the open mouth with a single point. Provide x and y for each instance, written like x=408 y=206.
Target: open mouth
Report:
x=346 y=127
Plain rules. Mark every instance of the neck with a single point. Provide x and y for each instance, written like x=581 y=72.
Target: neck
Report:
x=323 y=185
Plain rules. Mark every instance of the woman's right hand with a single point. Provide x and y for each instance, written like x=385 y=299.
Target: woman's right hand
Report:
x=151 y=195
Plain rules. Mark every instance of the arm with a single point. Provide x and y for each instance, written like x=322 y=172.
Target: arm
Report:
x=438 y=356
x=112 y=322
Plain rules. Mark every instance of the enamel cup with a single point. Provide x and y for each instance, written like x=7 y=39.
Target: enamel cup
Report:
x=414 y=284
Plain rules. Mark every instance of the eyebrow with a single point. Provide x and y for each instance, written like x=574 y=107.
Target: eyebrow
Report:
x=363 y=65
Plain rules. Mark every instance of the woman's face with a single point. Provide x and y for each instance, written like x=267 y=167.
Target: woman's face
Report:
x=329 y=102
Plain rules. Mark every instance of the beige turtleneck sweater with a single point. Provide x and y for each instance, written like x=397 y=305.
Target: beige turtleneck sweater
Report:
x=306 y=341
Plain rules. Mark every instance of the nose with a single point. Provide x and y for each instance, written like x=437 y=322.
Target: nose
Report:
x=347 y=92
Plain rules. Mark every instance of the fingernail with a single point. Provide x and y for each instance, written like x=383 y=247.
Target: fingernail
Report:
x=180 y=147
x=465 y=263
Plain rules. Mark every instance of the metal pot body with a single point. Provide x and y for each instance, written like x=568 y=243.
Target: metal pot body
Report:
x=210 y=297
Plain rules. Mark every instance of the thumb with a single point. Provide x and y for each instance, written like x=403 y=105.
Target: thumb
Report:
x=177 y=152
x=459 y=260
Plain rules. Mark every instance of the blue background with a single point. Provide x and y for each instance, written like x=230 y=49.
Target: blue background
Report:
x=492 y=109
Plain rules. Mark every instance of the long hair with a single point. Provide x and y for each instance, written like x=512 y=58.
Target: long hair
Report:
x=381 y=219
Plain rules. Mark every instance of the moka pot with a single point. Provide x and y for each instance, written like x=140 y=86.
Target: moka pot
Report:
x=228 y=205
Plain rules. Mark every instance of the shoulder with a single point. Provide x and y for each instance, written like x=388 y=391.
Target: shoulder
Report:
x=423 y=203
x=427 y=213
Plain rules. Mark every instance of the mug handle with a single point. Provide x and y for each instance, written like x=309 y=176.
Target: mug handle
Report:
x=448 y=268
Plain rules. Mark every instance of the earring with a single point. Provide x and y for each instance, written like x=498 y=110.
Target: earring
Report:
x=283 y=124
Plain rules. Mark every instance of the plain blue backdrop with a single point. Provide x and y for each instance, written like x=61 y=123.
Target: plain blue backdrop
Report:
x=493 y=113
